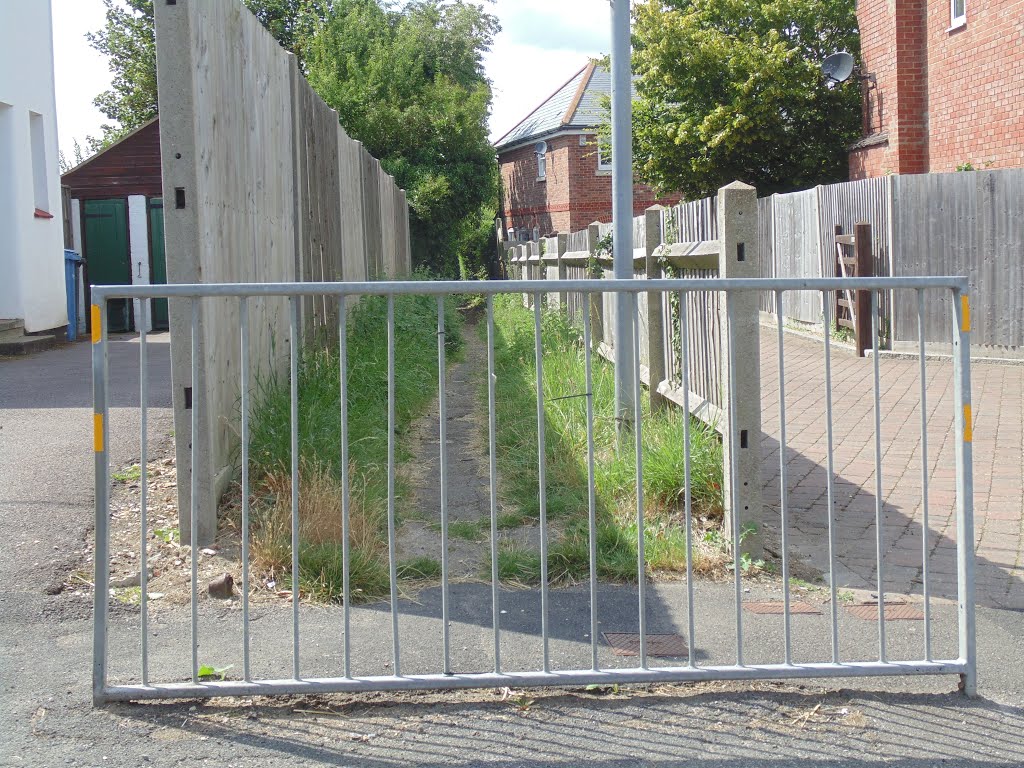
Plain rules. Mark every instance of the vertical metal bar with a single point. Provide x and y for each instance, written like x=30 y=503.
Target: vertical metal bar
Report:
x=443 y=440
x=734 y=493
x=194 y=491
x=588 y=365
x=296 y=543
x=830 y=480
x=783 y=484
x=101 y=577
x=641 y=559
x=541 y=478
x=346 y=587
x=492 y=440
x=924 y=480
x=964 y=491
x=243 y=319
x=879 y=546
x=684 y=332
x=143 y=489
x=392 y=550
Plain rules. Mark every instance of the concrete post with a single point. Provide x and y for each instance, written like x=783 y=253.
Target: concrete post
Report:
x=738 y=257
x=596 y=272
x=655 y=310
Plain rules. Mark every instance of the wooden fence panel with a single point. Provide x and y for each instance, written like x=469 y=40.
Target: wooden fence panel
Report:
x=968 y=224
x=795 y=250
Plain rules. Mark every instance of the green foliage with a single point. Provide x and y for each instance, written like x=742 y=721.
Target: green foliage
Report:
x=732 y=89
x=129 y=41
x=410 y=85
x=566 y=457
x=419 y=568
x=320 y=435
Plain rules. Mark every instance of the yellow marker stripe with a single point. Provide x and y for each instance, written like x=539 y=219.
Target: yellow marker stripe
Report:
x=968 y=426
x=97 y=331
x=97 y=432
x=965 y=314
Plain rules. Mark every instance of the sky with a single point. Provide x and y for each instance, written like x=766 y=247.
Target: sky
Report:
x=543 y=43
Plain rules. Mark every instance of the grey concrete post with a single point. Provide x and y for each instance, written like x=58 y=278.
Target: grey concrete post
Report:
x=175 y=67
x=561 y=299
x=738 y=257
x=596 y=272
x=655 y=310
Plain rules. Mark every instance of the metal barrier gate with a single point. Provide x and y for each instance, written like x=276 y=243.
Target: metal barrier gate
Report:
x=291 y=680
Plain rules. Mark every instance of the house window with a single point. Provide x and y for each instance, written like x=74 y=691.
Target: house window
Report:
x=541 y=150
x=39 y=176
x=604 y=157
x=957 y=13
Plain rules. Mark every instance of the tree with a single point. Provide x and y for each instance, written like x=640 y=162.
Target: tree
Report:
x=128 y=40
x=410 y=85
x=732 y=89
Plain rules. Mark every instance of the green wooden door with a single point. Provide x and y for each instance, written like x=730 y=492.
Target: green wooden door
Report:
x=158 y=260
x=107 y=261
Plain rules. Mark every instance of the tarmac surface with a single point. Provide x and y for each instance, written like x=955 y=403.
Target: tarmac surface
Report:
x=45 y=676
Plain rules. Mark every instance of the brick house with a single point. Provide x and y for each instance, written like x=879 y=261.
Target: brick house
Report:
x=554 y=176
x=943 y=86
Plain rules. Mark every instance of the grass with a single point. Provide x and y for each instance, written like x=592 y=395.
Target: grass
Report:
x=128 y=474
x=320 y=492
x=419 y=568
x=615 y=471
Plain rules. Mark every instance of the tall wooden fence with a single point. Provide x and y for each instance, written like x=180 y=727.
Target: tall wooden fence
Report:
x=261 y=184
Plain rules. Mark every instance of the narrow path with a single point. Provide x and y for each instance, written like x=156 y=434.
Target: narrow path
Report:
x=469 y=505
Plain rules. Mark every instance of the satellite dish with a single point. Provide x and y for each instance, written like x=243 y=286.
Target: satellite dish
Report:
x=541 y=147
x=838 y=67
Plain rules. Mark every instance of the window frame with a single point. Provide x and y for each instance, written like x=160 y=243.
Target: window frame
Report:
x=955 y=21
x=540 y=149
x=604 y=158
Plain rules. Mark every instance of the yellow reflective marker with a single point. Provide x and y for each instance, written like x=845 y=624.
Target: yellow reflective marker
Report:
x=968 y=427
x=97 y=432
x=97 y=332
x=965 y=314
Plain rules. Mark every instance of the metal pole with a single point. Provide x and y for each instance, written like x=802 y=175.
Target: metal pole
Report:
x=101 y=594
x=622 y=203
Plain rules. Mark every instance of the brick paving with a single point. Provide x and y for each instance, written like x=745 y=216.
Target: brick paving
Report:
x=998 y=440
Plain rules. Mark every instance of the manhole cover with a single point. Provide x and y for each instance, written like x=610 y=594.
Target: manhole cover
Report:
x=778 y=607
x=628 y=644
x=893 y=612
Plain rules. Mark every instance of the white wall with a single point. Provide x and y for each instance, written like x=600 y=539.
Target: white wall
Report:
x=31 y=248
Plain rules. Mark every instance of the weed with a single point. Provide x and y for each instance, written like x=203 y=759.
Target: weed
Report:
x=127 y=475
x=564 y=384
x=128 y=595
x=320 y=549
x=208 y=671
x=466 y=529
x=845 y=596
x=419 y=568
x=167 y=535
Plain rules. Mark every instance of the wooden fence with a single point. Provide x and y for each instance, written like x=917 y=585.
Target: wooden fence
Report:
x=261 y=185
x=690 y=240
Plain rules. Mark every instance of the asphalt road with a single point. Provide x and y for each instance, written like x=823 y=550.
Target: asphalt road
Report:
x=46 y=716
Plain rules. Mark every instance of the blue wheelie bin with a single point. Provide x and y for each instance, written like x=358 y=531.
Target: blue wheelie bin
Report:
x=72 y=263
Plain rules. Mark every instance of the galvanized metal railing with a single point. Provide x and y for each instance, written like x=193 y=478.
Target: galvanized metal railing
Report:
x=964 y=664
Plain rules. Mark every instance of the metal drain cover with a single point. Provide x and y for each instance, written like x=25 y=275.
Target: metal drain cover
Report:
x=893 y=612
x=628 y=644
x=778 y=607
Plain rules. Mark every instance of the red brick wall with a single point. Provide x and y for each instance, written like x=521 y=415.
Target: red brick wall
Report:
x=575 y=193
x=944 y=97
x=976 y=86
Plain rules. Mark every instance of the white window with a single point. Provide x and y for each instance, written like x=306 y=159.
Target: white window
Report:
x=541 y=150
x=604 y=156
x=957 y=13
x=39 y=178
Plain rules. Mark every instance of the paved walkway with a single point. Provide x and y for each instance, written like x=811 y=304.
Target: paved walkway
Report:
x=997 y=401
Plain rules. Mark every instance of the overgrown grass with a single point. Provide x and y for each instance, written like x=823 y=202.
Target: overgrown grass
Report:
x=320 y=551
x=615 y=471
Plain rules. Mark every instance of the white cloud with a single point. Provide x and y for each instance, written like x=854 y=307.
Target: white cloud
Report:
x=81 y=72
x=541 y=45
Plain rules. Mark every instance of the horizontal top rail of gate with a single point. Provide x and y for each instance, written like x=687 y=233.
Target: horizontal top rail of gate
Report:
x=445 y=287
